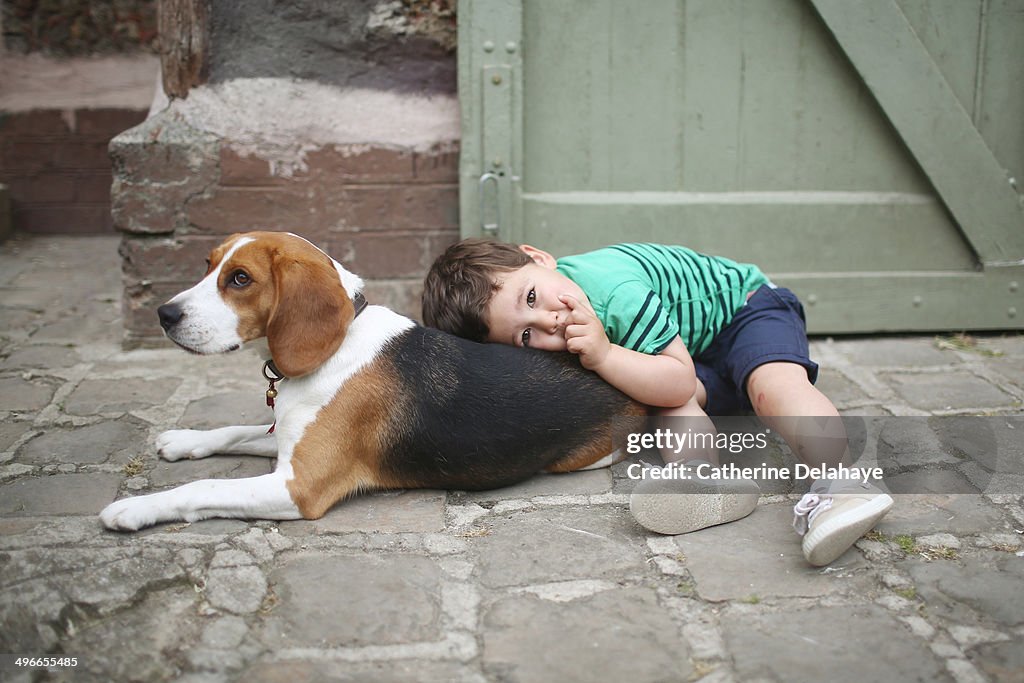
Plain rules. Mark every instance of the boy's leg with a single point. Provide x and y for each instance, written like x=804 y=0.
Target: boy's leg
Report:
x=786 y=401
x=677 y=501
x=766 y=354
x=834 y=514
x=691 y=419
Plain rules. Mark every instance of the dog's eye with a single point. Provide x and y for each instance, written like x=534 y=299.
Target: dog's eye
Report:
x=240 y=278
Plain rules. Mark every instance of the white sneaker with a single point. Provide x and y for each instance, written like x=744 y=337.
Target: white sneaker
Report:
x=679 y=506
x=832 y=522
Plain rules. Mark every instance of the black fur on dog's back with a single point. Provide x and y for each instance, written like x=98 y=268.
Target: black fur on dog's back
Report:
x=479 y=416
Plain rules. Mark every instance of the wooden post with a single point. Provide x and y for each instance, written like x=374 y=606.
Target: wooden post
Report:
x=183 y=26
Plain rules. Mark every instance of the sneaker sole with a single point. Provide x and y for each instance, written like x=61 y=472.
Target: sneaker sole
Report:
x=826 y=542
x=661 y=507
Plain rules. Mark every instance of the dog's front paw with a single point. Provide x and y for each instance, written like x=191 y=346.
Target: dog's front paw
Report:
x=177 y=444
x=129 y=514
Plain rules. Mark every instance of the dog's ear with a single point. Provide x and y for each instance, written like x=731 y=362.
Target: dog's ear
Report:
x=310 y=316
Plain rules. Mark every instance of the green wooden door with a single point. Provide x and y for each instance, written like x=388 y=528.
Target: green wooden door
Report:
x=863 y=153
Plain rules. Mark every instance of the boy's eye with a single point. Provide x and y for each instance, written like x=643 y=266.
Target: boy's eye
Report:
x=526 y=337
x=531 y=299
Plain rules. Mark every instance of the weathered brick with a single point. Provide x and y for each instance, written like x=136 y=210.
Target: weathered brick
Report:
x=241 y=171
x=44 y=187
x=361 y=164
x=139 y=306
x=59 y=170
x=92 y=187
x=5 y=213
x=380 y=255
x=361 y=208
x=36 y=123
x=163 y=150
x=62 y=218
x=437 y=243
x=76 y=153
x=439 y=164
x=384 y=212
x=292 y=207
x=393 y=207
x=27 y=156
x=389 y=255
x=153 y=163
x=158 y=166
x=161 y=259
x=404 y=296
x=433 y=206
x=106 y=123
x=146 y=209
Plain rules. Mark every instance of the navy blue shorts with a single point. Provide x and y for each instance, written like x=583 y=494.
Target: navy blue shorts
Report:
x=770 y=327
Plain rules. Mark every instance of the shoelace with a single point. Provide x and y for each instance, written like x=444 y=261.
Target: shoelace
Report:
x=809 y=507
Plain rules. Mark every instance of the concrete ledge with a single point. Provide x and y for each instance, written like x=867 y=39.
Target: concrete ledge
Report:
x=33 y=81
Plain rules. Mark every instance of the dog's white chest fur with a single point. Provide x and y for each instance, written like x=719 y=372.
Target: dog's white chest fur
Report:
x=301 y=398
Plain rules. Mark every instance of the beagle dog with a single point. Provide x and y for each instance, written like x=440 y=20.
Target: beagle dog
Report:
x=363 y=398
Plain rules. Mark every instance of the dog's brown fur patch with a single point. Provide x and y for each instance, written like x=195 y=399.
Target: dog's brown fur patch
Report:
x=340 y=452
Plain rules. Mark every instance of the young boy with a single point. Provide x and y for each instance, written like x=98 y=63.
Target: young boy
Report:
x=685 y=333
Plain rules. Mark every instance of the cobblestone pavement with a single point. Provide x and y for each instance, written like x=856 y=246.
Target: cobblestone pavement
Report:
x=550 y=580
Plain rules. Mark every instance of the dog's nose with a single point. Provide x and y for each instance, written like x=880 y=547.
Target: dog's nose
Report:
x=170 y=315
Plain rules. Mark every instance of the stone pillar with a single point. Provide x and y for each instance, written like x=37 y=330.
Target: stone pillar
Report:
x=350 y=155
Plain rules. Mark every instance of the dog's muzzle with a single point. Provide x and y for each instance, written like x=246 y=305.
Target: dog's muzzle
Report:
x=170 y=315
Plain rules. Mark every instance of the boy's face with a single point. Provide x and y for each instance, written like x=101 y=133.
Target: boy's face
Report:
x=526 y=309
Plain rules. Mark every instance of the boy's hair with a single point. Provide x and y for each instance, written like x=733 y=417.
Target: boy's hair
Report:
x=461 y=283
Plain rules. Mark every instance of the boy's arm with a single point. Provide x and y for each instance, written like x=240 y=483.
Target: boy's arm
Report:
x=665 y=380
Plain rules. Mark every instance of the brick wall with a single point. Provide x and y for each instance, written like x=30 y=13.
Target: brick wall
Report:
x=383 y=211
x=57 y=169
x=337 y=121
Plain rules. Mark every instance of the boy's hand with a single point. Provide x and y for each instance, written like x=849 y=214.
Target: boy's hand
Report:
x=584 y=333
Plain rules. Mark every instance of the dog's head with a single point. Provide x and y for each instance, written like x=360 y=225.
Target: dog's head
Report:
x=266 y=284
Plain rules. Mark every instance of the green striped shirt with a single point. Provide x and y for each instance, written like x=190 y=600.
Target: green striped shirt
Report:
x=646 y=294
